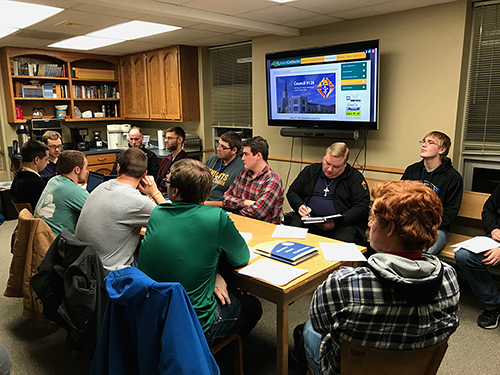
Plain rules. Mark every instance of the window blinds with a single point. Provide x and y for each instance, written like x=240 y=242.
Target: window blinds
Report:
x=482 y=111
x=232 y=85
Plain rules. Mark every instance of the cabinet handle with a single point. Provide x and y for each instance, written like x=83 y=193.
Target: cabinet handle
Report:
x=101 y=159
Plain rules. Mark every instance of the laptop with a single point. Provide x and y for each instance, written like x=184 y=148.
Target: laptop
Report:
x=95 y=179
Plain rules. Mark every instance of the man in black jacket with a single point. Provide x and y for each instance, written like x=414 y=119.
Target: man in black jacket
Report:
x=328 y=188
x=135 y=140
x=474 y=265
x=435 y=170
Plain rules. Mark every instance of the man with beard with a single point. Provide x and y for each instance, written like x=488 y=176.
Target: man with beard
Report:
x=62 y=199
x=173 y=140
x=53 y=140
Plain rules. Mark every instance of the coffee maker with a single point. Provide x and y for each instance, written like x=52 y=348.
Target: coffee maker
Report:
x=117 y=135
x=78 y=138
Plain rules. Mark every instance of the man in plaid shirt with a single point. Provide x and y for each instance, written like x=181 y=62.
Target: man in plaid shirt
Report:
x=258 y=191
x=402 y=300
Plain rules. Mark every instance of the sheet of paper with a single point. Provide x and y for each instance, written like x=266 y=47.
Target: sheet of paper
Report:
x=478 y=244
x=346 y=252
x=247 y=236
x=286 y=231
x=272 y=271
x=253 y=254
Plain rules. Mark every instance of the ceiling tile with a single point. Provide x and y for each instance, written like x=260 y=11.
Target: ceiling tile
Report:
x=181 y=36
x=278 y=14
x=108 y=11
x=231 y=7
x=330 y=6
x=167 y=20
x=313 y=21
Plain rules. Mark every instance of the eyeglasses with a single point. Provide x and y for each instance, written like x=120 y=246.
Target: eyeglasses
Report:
x=430 y=143
x=53 y=147
x=166 y=181
x=219 y=146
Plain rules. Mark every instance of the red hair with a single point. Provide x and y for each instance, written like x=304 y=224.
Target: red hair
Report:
x=413 y=208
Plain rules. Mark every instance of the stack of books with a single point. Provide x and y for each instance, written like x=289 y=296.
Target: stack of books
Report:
x=286 y=251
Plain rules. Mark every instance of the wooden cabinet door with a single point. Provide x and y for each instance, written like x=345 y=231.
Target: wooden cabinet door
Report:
x=140 y=86
x=135 y=86
x=127 y=87
x=172 y=84
x=156 y=84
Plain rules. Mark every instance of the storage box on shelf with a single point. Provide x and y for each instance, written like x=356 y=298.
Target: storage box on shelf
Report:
x=41 y=79
x=161 y=84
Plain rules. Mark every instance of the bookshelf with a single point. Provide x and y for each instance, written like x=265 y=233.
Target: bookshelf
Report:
x=42 y=79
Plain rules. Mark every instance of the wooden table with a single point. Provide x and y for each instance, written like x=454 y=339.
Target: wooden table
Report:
x=318 y=270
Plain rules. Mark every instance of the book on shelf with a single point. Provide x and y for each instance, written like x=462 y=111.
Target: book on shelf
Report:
x=84 y=73
x=22 y=67
x=318 y=219
x=286 y=251
x=32 y=91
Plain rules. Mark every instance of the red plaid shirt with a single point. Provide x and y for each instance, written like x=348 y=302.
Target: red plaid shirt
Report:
x=266 y=189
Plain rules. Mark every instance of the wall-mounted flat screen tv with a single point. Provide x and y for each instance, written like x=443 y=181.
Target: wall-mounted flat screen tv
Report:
x=331 y=87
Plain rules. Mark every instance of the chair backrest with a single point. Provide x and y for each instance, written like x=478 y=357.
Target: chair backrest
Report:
x=362 y=360
x=19 y=206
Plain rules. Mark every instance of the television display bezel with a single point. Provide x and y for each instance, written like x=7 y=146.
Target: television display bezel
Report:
x=322 y=51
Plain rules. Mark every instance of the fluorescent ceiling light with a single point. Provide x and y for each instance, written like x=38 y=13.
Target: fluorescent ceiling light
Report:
x=85 y=43
x=133 y=30
x=4 y=31
x=20 y=15
x=282 y=1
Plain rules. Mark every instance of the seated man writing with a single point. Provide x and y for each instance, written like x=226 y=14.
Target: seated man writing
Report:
x=28 y=185
x=258 y=191
x=62 y=199
x=184 y=243
x=474 y=265
x=329 y=188
x=404 y=299
x=113 y=215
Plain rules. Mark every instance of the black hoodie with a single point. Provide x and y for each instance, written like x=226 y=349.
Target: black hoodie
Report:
x=445 y=181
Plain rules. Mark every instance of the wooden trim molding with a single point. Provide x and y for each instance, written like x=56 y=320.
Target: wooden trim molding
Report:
x=357 y=166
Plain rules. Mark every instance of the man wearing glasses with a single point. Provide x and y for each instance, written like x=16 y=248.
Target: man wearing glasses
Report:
x=435 y=170
x=173 y=140
x=53 y=140
x=225 y=166
x=135 y=140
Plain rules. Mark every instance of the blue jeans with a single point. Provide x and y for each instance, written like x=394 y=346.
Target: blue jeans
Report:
x=440 y=242
x=243 y=314
x=225 y=322
x=480 y=279
x=312 y=343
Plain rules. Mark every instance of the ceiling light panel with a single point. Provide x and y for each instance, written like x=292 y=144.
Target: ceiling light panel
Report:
x=4 y=31
x=20 y=15
x=85 y=43
x=133 y=30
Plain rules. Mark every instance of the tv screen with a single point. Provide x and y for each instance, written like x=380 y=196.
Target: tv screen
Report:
x=332 y=87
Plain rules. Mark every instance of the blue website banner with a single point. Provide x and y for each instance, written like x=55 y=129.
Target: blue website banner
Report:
x=318 y=89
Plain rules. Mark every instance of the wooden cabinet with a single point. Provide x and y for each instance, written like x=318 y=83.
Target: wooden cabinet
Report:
x=171 y=82
x=102 y=163
x=134 y=83
x=75 y=79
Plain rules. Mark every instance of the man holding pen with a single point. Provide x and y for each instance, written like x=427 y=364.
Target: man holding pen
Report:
x=332 y=187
